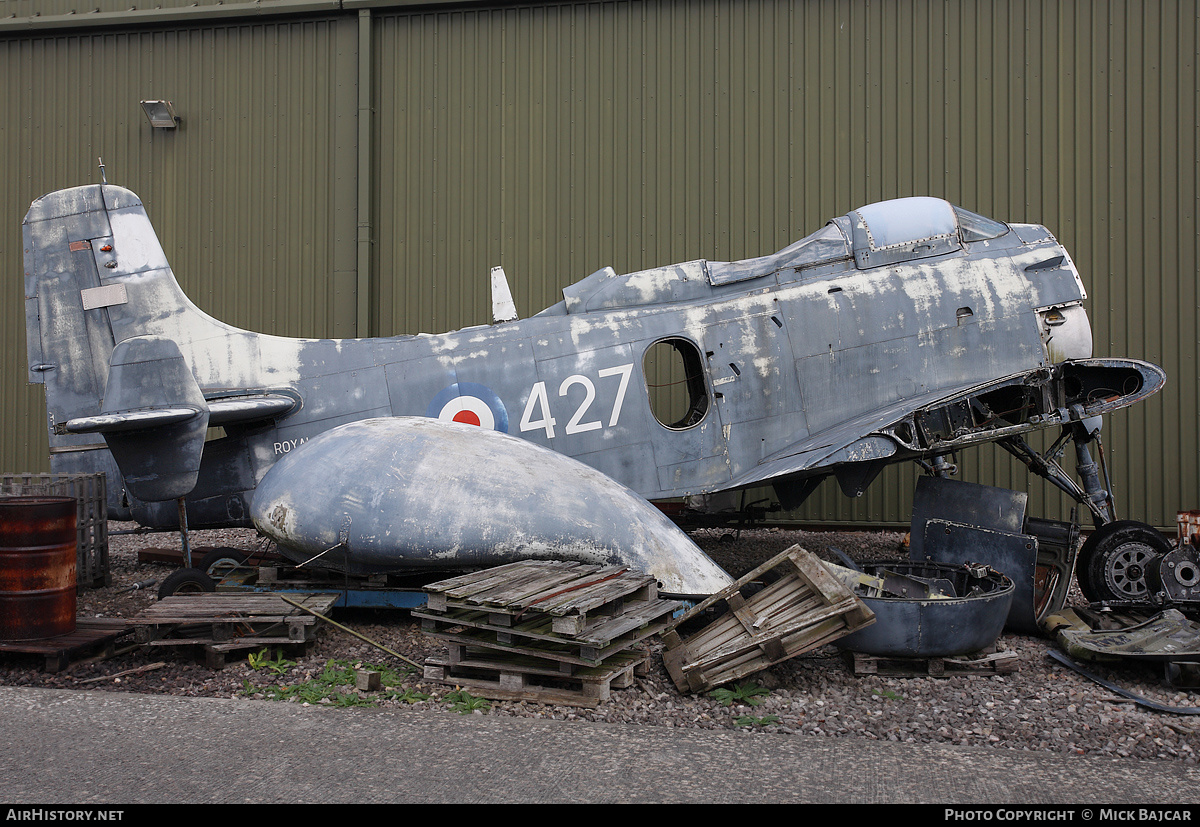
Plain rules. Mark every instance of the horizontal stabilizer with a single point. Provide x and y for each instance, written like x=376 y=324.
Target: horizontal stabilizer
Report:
x=224 y=410
x=130 y=420
x=221 y=411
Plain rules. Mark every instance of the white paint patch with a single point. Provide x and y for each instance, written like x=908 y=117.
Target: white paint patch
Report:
x=135 y=244
x=654 y=284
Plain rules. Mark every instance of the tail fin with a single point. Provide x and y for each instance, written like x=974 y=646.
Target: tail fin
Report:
x=96 y=277
x=95 y=274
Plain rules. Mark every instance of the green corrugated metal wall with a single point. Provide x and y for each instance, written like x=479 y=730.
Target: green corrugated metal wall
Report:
x=253 y=196
x=559 y=138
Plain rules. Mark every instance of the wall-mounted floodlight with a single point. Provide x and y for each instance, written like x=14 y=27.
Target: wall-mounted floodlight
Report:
x=161 y=114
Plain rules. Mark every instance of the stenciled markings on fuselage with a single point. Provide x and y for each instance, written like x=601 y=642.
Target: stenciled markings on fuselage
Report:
x=537 y=414
x=287 y=445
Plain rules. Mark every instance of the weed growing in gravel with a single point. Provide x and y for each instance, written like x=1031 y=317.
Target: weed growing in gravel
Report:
x=465 y=703
x=261 y=660
x=312 y=692
x=330 y=686
x=345 y=699
x=743 y=693
x=889 y=694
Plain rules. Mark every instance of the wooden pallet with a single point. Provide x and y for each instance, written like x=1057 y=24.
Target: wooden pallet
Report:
x=221 y=623
x=535 y=635
x=572 y=594
x=93 y=637
x=980 y=663
x=804 y=608
x=529 y=679
x=546 y=631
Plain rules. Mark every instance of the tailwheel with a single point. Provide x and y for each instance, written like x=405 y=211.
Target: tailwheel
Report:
x=186 y=581
x=1115 y=558
x=222 y=562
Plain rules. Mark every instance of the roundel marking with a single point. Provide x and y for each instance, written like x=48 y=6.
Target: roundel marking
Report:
x=470 y=404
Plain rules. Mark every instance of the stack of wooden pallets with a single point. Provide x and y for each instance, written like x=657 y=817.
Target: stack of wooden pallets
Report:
x=544 y=631
x=804 y=607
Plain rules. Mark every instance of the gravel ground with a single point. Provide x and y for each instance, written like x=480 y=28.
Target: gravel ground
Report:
x=1042 y=706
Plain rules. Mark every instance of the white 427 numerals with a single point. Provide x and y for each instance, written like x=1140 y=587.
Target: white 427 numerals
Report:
x=537 y=408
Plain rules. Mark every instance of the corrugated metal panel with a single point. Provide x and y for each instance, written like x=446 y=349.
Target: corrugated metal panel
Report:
x=559 y=138
x=253 y=196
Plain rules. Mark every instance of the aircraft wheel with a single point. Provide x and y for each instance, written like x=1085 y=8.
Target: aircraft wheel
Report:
x=220 y=562
x=1114 y=560
x=186 y=581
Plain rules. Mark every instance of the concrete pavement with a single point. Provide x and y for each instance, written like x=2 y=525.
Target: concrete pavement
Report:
x=94 y=748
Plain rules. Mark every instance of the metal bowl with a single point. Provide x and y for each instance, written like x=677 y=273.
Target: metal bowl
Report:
x=921 y=626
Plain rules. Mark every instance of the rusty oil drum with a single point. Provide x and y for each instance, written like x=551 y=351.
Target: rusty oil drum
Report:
x=37 y=567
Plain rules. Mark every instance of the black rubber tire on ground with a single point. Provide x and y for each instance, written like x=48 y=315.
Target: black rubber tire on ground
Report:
x=186 y=581
x=221 y=561
x=1113 y=561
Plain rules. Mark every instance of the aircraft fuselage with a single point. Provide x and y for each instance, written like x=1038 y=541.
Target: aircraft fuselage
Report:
x=789 y=366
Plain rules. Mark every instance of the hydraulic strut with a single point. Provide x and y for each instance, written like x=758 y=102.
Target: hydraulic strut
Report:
x=1092 y=494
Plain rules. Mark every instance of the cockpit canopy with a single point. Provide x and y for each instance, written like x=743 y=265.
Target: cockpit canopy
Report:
x=889 y=232
x=911 y=228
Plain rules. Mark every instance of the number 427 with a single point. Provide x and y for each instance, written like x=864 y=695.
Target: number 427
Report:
x=538 y=404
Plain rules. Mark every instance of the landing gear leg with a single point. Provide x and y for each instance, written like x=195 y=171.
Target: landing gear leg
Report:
x=183 y=533
x=1113 y=562
x=1092 y=494
x=1089 y=472
x=942 y=468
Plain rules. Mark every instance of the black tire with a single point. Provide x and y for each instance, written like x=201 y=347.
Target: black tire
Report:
x=1114 y=559
x=220 y=562
x=186 y=581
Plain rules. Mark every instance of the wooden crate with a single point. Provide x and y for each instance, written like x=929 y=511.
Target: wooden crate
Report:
x=804 y=608
x=91 y=523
